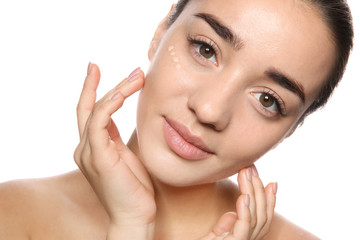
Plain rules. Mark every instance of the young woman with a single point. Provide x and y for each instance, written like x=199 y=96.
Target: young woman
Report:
x=227 y=83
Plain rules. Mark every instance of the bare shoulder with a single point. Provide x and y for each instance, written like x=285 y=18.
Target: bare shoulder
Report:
x=283 y=229
x=12 y=225
x=39 y=208
x=18 y=200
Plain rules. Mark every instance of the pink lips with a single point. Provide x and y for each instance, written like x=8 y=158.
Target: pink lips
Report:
x=183 y=143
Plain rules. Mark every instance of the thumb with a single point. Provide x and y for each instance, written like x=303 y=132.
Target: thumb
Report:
x=225 y=223
x=222 y=226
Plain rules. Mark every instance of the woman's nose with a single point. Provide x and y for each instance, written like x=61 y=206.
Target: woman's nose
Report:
x=212 y=104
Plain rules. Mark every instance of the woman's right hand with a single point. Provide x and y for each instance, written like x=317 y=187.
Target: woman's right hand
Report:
x=116 y=175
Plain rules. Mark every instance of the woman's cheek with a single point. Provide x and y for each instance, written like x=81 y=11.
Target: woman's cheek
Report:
x=174 y=69
x=174 y=58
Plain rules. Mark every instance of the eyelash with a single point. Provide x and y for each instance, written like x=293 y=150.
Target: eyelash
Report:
x=280 y=104
x=200 y=40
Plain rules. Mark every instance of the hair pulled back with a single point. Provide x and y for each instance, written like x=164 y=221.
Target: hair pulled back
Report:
x=337 y=16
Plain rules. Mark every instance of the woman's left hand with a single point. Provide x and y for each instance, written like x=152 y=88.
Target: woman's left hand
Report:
x=254 y=210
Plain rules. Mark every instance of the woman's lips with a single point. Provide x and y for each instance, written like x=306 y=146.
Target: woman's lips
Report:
x=183 y=143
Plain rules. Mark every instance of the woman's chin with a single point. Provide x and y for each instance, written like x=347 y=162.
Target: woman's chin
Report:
x=172 y=170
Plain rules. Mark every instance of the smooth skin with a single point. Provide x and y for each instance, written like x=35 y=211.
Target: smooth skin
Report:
x=68 y=207
x=123 y=186
x=215 y=97
x=130 y=191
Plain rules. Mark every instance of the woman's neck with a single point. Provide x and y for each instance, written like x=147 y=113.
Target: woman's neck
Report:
x=193 y=210
x=186 y=212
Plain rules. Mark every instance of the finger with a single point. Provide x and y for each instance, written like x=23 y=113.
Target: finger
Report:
x=83 y=157
x=225 y=223
x=222 y=227
x=128 y=156
x=246 y=187
x=98 y=125
x=114 y=134
x=242 y=226
x=88 y=96
x=102 y=100
x=261 y=203
x=90 y=146
x=270 y=191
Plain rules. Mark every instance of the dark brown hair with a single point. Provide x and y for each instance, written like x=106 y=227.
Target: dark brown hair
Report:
x=337 y=16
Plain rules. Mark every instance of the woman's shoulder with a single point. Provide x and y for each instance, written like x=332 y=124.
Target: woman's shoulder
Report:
x=281 y=228
x=33 y=207
x=29 y=193
x=20 y=203
x=14 y=209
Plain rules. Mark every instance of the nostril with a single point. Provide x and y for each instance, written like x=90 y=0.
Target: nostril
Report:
x=209 y=125
x=206 y=116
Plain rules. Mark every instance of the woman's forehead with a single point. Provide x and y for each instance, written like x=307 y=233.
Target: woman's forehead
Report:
x=288 y=34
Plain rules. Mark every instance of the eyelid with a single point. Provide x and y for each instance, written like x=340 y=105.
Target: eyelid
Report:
x=199 y=39
x=279 y=102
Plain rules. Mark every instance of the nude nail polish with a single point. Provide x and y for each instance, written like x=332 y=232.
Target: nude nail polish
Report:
x=249 y=173
x=255 y=171
x=133 y=74
x=89 y=68
x=275 y=188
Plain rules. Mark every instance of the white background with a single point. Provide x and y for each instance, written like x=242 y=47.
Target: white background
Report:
x=45 y=47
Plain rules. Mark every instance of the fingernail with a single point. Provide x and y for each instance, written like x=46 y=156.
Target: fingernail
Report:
x=134 y=74
x=249 y=173
x=247 y=200
x=89 y=68
x=255 y=171
x=275 y=187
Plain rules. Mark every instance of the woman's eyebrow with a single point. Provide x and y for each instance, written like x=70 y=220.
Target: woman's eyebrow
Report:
x=286 y=82
x=236 y=43
x=222 y=30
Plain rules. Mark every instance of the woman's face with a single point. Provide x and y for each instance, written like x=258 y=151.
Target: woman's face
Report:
x=227 y=82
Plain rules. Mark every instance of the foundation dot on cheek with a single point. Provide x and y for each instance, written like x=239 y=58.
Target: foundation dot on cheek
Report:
x=171 y=48
x=172 y=53
x=175 y=59
x=178 y=66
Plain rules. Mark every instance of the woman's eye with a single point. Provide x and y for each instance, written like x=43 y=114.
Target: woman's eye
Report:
x=268 y=101
x=206 y=51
